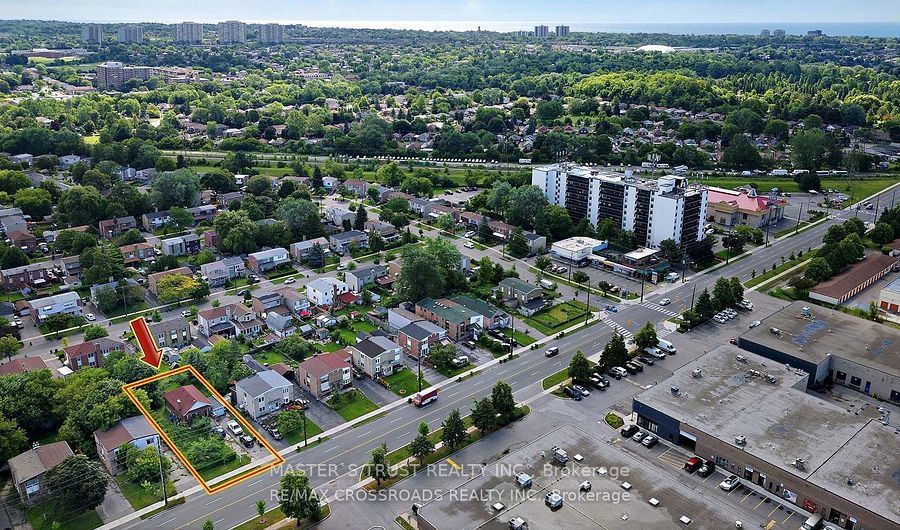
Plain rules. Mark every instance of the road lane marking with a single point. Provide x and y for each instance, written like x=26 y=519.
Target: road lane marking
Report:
x=788 y=517
x=365 y=433
x=165 y=523
x=773 y=510
x=395 y=421
x=457 y=466
x=216 y=499
x=332 y=448
x=749 y=494
x=760 y=503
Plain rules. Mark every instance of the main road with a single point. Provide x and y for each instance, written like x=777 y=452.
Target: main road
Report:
x=339 y=459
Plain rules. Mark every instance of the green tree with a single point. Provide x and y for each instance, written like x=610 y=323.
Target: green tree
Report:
x=420 y=275
x=175 y=188
x=808 y=149
x=379 y=469
x=737 y=289
x=542 y=262
x=181 y=218
x=453 y=432
x=670 y=250
x=517 y=246
x=818 y=270
x=143 y=464
x=297 y=498
x=35 y=202
x=441 y=355
x=524 y=205
x=579 y=368
x=646 y=336
x=615 y=353
x=13 y=257
x=422 y=446
x=208 y=525
x=9 y=346
x=260 y=508
x=741 y=154
x=237 y=233
x=882 y=234
x=259 y=185
x=359 y=222
x=554 y=223
x=485 y=234
x=95 y=331
x=301 y=217
x=77 y=483
x=175 y=287
x=723 y=295
x=503 y=401
x=484 y=416
x=580 y=277
x=13 y=439
x=289 y=422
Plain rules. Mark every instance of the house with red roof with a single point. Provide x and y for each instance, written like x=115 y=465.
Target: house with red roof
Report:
x=742 y=207
x=186 y=403
x=90 y=354
x=322 y=373
x=21 y=365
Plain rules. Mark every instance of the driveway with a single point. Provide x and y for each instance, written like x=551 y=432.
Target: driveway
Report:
x=318 y=412
x=377 y=393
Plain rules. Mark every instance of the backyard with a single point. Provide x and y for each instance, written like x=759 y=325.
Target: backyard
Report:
x=405 y=383
x=352 y=404
x=557 y=318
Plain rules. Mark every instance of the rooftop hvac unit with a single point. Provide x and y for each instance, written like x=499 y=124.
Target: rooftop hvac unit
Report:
x=741 y=359
x=770 y=378
x=696 y=373
x=740 y=440
x=805 y=311
x=675 y=390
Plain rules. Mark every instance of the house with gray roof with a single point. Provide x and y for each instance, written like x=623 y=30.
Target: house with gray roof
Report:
x=376 y=356
x=219 y=272
x=363 y=276
x=340 y=242
x=281 y=325
x=266 y=260
x=263 y=393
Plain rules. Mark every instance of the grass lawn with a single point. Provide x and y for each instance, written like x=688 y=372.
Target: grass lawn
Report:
x=760 y=278
x=329 y=346
x=520 y=337
x=362 y=325
x=858 y=189
x=92 y=139
x=353 y=405
x=138 y=496
x=213 y=472
x=43 y=519
x=555 y=379
x=405 y=383
x=453 y=371
x=613 y=420
x=312 y=430
x=557 y=318
x=132 y=308
x=271 y=357
x=727 y=254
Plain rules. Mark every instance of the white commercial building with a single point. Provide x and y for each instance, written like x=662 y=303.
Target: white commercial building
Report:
x=655 y=210
x=576 y=248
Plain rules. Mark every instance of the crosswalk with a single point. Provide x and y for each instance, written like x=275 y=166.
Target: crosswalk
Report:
x=627 y=335
x=661 y=309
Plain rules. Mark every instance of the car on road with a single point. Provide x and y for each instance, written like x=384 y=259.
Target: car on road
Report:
x=755 y=323
x=611 y=308
x=729 y=483
x=584 y=392
x=342 y=266
x=469 y=244
x=665 y=301
x=638 y=436
x=629 y=430
x=247 y=441
x=551 y=352
x=290 y=280
x=733 y=340
x=572 y=393
x=185 y=313
x=649 y=441
x=90 y=317
x=646 y=360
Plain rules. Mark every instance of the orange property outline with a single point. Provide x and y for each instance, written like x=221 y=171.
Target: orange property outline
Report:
x=129 y=388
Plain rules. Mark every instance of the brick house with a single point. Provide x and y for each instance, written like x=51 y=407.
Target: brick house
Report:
x=115 y=227
x=90 y=354
x=186 y=403
x=321 y=373
x=172 y=333
x=417 y=338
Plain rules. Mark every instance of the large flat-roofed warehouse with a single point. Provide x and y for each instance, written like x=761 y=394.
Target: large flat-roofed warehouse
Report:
x=753 y=417
x=831 y=346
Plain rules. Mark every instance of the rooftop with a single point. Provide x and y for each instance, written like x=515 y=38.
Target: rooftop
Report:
x=349 y=235
x=260 y=383
x=842 y=284
x=125 y=431
x=575 y=244
x=780 y=422
x=375 y=346
x=325 y=363
x=36 y=461
x=518 y=284
x=447 y=310
x=268 y=254
x=828 y=332
x=894 y=286
x=22 y=364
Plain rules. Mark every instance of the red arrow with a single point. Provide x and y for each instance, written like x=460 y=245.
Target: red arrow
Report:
x=150 y=353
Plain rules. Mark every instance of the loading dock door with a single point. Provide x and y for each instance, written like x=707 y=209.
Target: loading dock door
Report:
x=688 y=441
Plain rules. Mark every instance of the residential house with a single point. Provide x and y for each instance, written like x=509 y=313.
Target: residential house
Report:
x=363 y=276
x=323 y=291
x=376 y=356
x=181 y=246
x=210 y=239
x=358 y=187
x=263 y=393
x=13 y=223
x=393 y=272
x=266 y=260
x=519 y=290
x=155 y=220
x=330 y=183
x=154 y=278
x=281 y=325
x=417 y=338
x=294 y=301
x=336 y=215
x=24 y=240
x=115 y=227
x=28 y=469
x=263 y=301
x=50 y=235
x=387 y=231
x=187 y=403
x=301 y=249
x=135 y=431
x=500 y=229
x=25 y=159
x=63 y=303
x=536 y=243
x=493 y=317
x=460 y=322
x=67 y=161
x=438 y=210
x=340 y=243
x=33 y=275
x=420 y=206
x=228 y=320
x=90 y=354
x=204 y=212
x=400 y=317
x=471 y=219
x=173 y=333
x=218 y=273
x=21 y=365
x=72 y=265
x=137 y=253
x=224 y=199
x=322 y=373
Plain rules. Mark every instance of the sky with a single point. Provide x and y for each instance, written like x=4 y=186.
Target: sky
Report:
x=552 y=11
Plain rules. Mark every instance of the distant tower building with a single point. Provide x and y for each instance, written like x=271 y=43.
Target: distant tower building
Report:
x=189 y=32
x=778 y=33
x=92 y=33
x=814 y=33
x=113 y=74
x=764 y=33
x=271 y=33
x=541 y=31
x=232 y=32
x=131 y=34
x=562 y=31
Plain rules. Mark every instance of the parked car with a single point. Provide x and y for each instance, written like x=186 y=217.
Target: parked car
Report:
x=276 y=434
x=730 y=483
x=90 y=317
x=692 y=464
x=629 y=430
x=755 y=323
x=656 y=353
x=646 y=360
x=707 y=469
x=585 y=486
x=551 y=351
x=247 y=441
x=720 y=319
x=638 y=436
x=649 y=441
x=186 y=314
x=234 y=428
x=584 y=392
x=598 y=383
x=460 y=361
x=636 y=366
x=572 y=393
x=290 y=280
x=469 y=244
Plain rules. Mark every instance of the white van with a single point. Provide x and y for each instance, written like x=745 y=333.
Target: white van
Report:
x=547 y=284
x=814 y=522
x=666 y=346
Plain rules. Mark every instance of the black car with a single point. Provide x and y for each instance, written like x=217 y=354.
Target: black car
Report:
x=631 y=369
x=614 y=373
x=629 y=430
x=707 y=468
x=247 y=441
x=636 y=365
x=572 y=393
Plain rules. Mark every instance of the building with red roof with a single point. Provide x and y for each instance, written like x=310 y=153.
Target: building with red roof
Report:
x=186 y=402
x=742 y=207
x=321 y=373
x=22 y=365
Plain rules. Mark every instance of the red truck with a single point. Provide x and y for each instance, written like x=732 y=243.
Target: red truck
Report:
x=423 y=398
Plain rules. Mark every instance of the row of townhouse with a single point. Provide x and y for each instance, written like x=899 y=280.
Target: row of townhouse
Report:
x=462 y=317
x=185 y=245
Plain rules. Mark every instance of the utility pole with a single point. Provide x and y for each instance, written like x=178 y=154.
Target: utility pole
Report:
x=799 y=215
x=767 y=231
x=642 y=287
x=588 y=317
x=692 y=296
x=162 y=476
x=303 y=417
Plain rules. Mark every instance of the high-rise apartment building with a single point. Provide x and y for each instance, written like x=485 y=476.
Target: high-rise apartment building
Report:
x=189 y=32
x=814 y=33
x=778 y=33
x=131 y=34
x=655 y=210
x=764 y=33
x=112 y=74
x=541 y=31
x=232 y=32
x=92 y=33
x=271 y=33
x=562 y=31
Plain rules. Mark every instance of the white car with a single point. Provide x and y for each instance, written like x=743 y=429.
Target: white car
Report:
x=729 y=483
x=186 y=314
x=469 y=244
x=754 y=324
x=665 y=301
x=342 y=267
x=290 y=280
x=720 y=319
x=90 y=317
x=235 y=428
